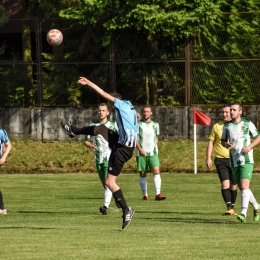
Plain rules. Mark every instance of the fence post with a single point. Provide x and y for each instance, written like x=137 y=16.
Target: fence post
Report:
x=39 y=61
x=187 y=72
x=112 y=64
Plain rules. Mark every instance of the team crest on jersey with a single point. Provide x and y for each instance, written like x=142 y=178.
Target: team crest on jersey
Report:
x=154 y=126
x=243 y=127
x=110 y=127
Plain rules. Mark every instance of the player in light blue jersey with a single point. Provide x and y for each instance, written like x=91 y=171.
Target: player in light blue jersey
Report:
x=236 y=137
x=122 y=145
x=5 y=148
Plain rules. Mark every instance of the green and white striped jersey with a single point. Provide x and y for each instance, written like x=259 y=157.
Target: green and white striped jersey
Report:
x=147 y=132
x=103 y=151
x=239 y=134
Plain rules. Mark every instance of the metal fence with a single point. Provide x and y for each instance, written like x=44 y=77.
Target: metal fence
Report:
x=159 y=74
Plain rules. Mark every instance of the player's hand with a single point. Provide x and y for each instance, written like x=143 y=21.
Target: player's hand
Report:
x=209 y=164
x=142 y=152
x=93 y=148
x=229 y=145
x=2 y=161
x=83 y=81
x=246 y=150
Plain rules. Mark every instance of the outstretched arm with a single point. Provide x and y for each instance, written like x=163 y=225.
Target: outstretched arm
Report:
x=84 y=81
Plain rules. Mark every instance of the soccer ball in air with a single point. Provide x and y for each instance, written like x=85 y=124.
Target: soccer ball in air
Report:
x=54 y=37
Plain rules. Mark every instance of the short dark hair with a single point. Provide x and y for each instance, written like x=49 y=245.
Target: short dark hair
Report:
x=103 y=104
x=147 y=106
x=116 y=95
x=226 y=105
x=238 y=104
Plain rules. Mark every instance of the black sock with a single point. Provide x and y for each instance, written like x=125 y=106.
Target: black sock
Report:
x=233 y=197
x=119 y=197
x=87 y=130
x=227 y=197
x=2 y=206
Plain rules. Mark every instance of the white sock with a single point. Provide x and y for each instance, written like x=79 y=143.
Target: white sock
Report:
x=157 y=183
x=143 y=185
x=253 y=201
x=245 y=195
x=107 y=197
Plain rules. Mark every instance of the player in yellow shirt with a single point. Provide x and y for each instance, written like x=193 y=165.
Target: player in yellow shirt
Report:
x=222 y=162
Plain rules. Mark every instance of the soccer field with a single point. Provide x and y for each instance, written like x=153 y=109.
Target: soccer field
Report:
x=56 y=216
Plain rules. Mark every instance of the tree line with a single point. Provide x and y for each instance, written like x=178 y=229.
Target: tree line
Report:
x=222 y=37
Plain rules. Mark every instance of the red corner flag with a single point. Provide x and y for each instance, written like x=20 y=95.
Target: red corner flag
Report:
x=200 y=118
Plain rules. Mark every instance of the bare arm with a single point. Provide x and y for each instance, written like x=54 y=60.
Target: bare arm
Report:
x=83 y=81
x=209 y=153
x=138 y=146
x=7 y=151
x=246 y=149
x=91 y=146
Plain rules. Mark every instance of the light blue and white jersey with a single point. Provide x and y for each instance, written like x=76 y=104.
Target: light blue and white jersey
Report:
x=3 y=139
x=126 y=119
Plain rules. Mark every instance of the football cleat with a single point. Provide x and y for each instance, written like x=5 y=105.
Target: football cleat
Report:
x=127 y=217
x=256 y=214
x=67 y=128
x=145 y=197
x=160 y=197
x=242 y=218
x=103 y=210
x=230 y=212
x=3 y=211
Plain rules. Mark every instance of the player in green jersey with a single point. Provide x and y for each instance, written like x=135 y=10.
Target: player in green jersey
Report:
x=236 y=137
x=102 y=152
x=147 y=153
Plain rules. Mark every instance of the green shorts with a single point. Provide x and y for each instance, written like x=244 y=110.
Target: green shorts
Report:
x=147 y=162
x=243 y=172
x=102 y=169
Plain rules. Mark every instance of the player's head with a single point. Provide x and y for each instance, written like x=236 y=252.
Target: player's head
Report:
x=116 y=95
x=147 y=112
x=226 y=113
x=103 y=111
x=236 y=111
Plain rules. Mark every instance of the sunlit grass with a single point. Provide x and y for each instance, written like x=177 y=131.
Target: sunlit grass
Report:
x=56 y=216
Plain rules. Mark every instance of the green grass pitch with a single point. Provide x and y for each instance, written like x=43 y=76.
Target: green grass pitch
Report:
x=56 y=216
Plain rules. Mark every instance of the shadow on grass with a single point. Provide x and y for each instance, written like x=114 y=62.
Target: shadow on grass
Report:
x=36 y=228
x=49 y=212
x=81 y=198
x=200 y=220
x=226 y=219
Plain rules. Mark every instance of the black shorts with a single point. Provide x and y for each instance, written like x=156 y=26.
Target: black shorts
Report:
x=120 y=154
x=224 y=170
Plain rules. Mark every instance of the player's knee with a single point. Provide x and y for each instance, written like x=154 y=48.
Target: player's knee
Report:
x=142 y=174
x=156 y=170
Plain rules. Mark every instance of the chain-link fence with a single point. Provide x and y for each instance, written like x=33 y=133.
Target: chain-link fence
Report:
x=204 y=70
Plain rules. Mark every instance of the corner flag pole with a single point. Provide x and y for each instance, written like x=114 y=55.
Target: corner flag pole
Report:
x=195 y=148
x=201 y=119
